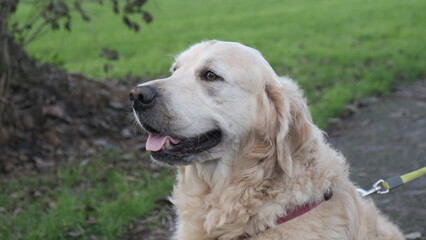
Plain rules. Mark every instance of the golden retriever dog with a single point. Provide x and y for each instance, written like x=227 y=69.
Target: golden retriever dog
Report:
x=250 y=162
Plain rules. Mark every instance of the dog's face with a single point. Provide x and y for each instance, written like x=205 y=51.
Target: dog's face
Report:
x=204 y=109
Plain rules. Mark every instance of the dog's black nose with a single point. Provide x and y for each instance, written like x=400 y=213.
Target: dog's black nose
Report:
x=143 y=97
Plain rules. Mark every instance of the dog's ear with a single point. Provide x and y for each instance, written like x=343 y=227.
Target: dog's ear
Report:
x=293 y=125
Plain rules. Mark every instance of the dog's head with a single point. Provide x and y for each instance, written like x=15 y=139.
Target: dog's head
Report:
x=219 y=94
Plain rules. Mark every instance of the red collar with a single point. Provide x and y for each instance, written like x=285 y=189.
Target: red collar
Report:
x=298 y=212
x=303 y=209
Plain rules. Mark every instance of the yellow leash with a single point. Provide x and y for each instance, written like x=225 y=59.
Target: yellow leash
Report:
x=413 y=175
x=384 y=186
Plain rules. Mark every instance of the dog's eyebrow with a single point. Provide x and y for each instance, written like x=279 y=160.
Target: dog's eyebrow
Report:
x=209 y=61
x=209 y=64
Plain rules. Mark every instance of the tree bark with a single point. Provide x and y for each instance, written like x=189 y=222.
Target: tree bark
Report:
x=13 y=59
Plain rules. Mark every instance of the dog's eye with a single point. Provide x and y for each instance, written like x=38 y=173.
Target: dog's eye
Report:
x=211 y=76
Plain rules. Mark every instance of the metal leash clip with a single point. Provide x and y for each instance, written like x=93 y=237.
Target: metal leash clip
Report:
x=377 y=188
x=384 y=186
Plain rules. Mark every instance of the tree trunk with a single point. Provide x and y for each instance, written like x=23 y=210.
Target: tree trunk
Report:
x=5 y=73
x=13 y=59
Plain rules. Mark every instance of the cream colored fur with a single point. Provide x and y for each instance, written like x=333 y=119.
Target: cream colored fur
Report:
x=272 y=157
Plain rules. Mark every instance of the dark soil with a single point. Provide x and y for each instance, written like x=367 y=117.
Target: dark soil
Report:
x=52 y=117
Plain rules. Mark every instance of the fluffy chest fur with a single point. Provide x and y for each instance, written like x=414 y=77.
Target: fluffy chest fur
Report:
x=248 y=205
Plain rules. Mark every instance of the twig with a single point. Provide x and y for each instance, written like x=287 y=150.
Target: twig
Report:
x=34 y=35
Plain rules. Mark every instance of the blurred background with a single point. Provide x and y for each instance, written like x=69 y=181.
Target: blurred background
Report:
x=72 y=162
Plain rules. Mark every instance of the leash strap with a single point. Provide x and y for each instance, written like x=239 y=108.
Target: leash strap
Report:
x=397 y=181
x=384 y=186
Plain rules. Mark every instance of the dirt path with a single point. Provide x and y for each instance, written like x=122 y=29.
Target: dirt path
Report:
x=388 y=138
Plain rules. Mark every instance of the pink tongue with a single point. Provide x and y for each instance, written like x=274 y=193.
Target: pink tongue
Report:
x=156 y=142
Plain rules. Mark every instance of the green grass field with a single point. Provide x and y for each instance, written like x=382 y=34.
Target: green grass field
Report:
x=338 y=51
x=93 y=197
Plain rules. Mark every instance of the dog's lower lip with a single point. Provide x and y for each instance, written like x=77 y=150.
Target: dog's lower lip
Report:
x=187 y=147
x=197 y=144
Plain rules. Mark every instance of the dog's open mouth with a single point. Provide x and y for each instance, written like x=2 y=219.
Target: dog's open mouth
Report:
x=174 y=151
